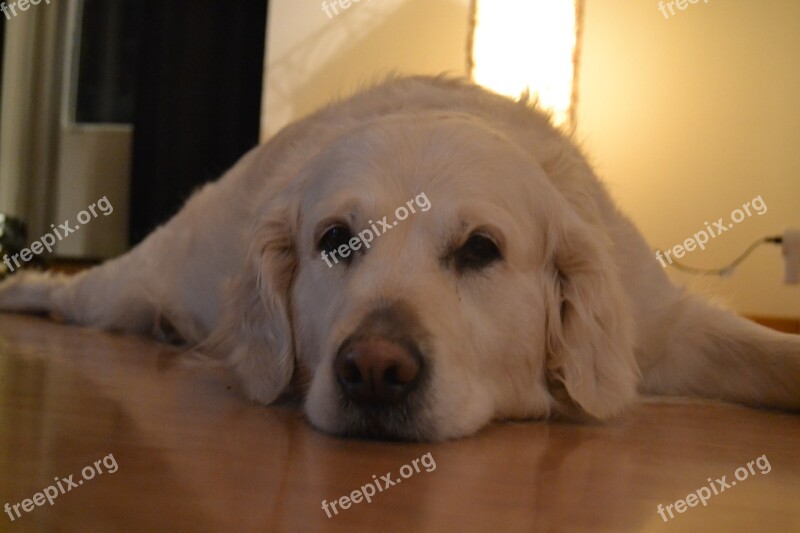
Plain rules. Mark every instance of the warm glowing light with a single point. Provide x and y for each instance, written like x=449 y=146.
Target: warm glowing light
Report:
x=527 y=44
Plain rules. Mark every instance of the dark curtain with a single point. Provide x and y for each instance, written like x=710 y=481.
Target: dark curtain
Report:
x=198 y=100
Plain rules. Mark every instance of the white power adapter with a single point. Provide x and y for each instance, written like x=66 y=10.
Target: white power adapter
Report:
x=791 y=254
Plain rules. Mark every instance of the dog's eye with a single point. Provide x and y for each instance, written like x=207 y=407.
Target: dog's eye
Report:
x=334 y=237
x=478 y=252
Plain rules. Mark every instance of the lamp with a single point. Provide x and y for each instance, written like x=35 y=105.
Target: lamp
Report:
x=529 y=45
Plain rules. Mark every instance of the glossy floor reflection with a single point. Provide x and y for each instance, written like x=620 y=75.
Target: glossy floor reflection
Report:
x=193 y=455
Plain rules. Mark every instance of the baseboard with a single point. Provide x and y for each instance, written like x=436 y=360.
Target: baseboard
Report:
x=788 y=325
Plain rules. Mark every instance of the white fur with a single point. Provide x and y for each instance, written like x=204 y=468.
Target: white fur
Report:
x=576 y=318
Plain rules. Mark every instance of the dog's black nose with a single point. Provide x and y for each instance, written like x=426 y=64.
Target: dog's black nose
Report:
x=376 y=371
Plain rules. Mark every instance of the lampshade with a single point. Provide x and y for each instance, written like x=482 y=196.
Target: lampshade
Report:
x=533 y=45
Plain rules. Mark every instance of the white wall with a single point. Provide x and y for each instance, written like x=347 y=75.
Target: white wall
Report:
x=687 y=118
x=93 y=163
x=312 y=59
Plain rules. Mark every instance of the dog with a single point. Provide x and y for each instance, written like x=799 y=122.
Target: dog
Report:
x=521 y=292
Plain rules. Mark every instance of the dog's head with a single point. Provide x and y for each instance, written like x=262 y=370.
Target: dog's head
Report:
x=430 y=278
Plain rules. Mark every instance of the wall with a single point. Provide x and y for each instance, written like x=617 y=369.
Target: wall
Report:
x=689 y=117
x=94 y=163
x=312 y=59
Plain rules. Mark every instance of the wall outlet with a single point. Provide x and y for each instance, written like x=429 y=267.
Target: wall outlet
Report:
x=791 y=255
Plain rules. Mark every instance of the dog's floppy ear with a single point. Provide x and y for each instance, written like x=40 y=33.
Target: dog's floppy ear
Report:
x=254 y=334
x=589 y=331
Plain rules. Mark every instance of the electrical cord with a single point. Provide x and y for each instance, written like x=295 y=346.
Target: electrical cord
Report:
x=726 y=270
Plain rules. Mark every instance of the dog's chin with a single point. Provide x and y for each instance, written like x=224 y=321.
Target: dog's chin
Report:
x=417 y=419
x=405 y=422
x=397 y=423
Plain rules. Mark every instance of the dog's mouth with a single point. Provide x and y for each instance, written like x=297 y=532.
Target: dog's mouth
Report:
x=400 y=423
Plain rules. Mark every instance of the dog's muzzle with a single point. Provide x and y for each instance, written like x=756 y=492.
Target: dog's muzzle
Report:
x=381 y=370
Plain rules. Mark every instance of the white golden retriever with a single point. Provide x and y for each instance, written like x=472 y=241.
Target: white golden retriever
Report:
x=520 y=292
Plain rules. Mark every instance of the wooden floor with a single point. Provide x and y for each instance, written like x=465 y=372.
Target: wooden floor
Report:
x=192 y=455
